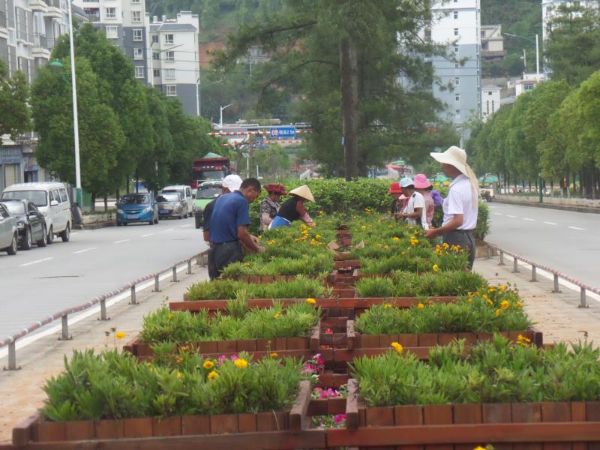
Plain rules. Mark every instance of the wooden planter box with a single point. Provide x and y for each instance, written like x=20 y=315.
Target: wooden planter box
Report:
x=274 y=430
x=409 y=341
x=545 y=425
x=258 y=348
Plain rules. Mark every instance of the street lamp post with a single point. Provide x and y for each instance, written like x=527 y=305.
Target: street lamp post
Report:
x=75 y=115
x=221 y=108
x=537 y=50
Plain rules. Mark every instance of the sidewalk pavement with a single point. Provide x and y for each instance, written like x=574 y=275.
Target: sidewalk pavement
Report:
x=21 y=394
x=21 y=391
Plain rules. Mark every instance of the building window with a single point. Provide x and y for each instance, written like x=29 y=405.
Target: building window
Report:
x=171 y=56
x=156 y=56
x=139 y=71
x=156 y=73
x=456 y=81
x=112 y=32
x=138 y=35
x=135 y=2
x=171 y=90
x=155 y=39
x=456 y=65
x=136 y=16
x=490 y=93
x=493 y=107
x=169 y=39
x=138 y=53
x=169 y=74
x=456 y=14
x=455 y=49
x=457 y=97
x=456 y=32
x=111 y=13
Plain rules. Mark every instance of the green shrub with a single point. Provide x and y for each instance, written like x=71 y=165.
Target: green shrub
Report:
x=226 y=289
x=490 y=372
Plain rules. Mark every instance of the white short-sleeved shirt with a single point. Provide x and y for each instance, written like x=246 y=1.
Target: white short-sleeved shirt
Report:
x=416 y=201
x=460 y=201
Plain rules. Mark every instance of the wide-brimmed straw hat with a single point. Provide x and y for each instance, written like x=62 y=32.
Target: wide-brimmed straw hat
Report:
x=275 y=188
x=454 y=156
x=303 y=192
x=421 y=181
x=395 y=188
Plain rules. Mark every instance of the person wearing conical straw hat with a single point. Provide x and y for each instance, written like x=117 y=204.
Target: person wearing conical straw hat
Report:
x=293 y=208
x=461 y=205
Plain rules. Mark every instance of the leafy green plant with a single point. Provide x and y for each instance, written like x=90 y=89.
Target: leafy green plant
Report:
x=225 y=289
x=497 y=371
x=116 y=386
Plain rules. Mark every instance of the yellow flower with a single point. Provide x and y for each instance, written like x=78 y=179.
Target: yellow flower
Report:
x=491 y=289
x=489 y=302
x=395 y=238
x=213 y=375
x=519 y=305
x=436 y=268
x=277 y=315
x=498 y=312
x=273 y=355
x=502 y=288
x=178 y=359
x=397 y=347
x=311 y=301
x=179 y=375
x=420 y=306
x=523 y=340
x=208 y=364
x=119 y=335
x=479 y=447
x=241 y=363
x=445 y=246
x=504 y=304
x=387 y=305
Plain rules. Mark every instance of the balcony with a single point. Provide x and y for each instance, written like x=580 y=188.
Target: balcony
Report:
x=54 y=10
x=40 y=46
x=38 y=6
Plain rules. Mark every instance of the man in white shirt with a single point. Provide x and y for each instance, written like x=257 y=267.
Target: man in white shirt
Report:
x=461 y=205
x=414 y=213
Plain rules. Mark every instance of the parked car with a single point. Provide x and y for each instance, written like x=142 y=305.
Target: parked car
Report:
x=137 y=208
x=206 y=193
x=53 y=202
x=186 y=194
x=8 y=232
x=171 y=204
x=30 y=223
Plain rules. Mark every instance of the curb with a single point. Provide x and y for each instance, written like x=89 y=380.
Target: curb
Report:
x=582 y=209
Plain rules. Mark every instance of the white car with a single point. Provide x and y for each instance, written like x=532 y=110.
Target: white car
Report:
x=186 y=196
x=8 y=232
x=52 y=200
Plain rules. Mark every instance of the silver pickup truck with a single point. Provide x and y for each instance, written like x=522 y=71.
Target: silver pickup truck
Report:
x=9 y=236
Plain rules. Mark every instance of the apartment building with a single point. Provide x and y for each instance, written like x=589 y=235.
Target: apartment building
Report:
x=126 y=25
x=175 y=59
x=550 y=10
x=457 y=24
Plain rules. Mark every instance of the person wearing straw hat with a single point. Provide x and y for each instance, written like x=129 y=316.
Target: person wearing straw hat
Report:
x=424 y=187
x=293 y=208
x=270 y=205
x=461 y=205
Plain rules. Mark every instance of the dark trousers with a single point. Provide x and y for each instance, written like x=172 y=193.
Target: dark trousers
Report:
x=223 y=255
x=465 y=239
x=212 y=269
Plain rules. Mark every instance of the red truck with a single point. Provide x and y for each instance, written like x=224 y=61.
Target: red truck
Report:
x=211 y=167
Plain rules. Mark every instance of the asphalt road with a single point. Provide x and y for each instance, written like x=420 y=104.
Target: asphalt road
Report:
x=42 y=281
x=563 y=240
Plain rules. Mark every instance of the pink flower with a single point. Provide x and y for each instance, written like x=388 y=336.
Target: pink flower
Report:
x=309 y=368
x=328 y=331
x=339 y=418
x=221 y=359
x=234 y=357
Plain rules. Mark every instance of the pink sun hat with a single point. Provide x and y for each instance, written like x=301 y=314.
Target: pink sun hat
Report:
x=421 y=181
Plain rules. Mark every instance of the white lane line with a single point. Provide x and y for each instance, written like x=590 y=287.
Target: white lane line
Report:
x=79 y=252
x=121 y=241
x=498 y=214
x=37 y=261
x=550 y=223
x=148 y=235
x=527 y=219
x=511 y=216
x=577 y=228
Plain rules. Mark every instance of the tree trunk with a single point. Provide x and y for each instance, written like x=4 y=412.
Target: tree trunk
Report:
x=93 y=201
x=105 y=203
x=349 y=81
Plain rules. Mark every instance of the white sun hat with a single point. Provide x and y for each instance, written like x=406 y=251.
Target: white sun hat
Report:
x=232 y=182
x=304 y=192
x=457 y=157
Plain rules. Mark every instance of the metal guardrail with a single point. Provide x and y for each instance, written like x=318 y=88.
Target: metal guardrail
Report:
x=100 y=300
x=583 y=288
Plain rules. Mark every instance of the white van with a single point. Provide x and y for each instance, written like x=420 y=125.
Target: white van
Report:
x=186 y=196
x=53 y=202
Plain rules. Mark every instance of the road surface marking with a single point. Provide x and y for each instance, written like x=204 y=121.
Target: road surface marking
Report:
x=550 y=223
x=148 y=235
x=121 y=241
x=527 y=219
x=511 y=216
x=577 y=228
x=37 y=261
x=498 y=214
x=78 y=252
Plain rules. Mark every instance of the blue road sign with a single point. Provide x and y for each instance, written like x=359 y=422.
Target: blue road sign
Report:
x=283 y=133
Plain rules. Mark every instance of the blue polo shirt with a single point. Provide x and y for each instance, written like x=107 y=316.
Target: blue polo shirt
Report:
x=230 y=211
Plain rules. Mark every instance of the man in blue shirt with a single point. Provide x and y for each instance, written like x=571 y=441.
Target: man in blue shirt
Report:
x=229 y=225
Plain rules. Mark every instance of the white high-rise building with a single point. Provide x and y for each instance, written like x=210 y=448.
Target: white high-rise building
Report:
x=457 y=24
x=126 y=24
x=175 y=59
